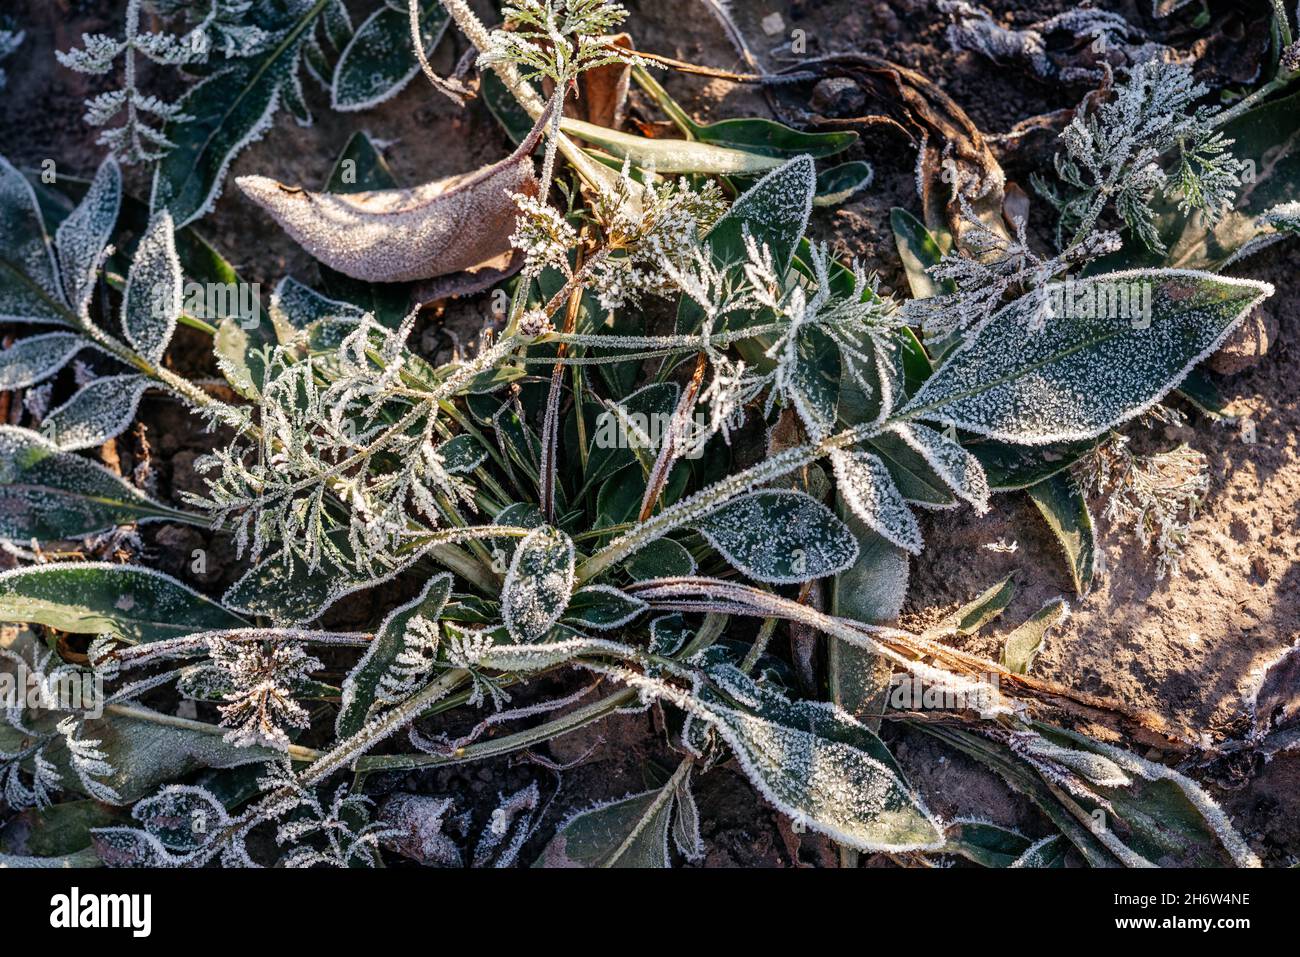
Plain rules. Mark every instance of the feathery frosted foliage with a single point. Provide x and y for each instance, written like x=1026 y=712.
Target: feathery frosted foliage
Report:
x=36 y=358
x=89 y=762
x=512 y=823
x=101 y=410
x=152 y=301
x=1155 y=496
x=869 y=491
x=992 y=266
x=630 y=832
x=653 y=231
x=314 y=440
x=558 y=39
x=260 y=677
x=1088 y=370
x=538 y=584
x=81 y=239
x=780 y=536
x=1112 y=155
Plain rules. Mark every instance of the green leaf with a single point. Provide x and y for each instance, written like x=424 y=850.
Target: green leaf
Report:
x=378 y=62
x=632 y=832
x=1010 y=468
x=865 y=484
x=774 y=211
x=101 y=410
x=1077 y=377
x=538 y=585
x=132 y=603
x=1021 y=647
x=987 y=845
x=1066 y=512
x=780 y=536
x=462 y=454
x=362 y=685
x=48 y=494
x=602 y=607
x=29 y=280
x=971 y=617
x=231 y=108
x=838 y=183
x=57 y=830
x=662 y=558
x=670 y=156
x=36 y=358
x=819 y=766
x=815 y=381
x=919 y=251
x=151 y=303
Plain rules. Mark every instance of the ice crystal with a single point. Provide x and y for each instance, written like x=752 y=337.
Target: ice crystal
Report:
x=260 y=683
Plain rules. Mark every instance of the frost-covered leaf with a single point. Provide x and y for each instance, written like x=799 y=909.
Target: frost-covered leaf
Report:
x=1078 y=376
x=662 y=558
x=960 y=470
x=152 y=301
x=146 y=749
x=48 y=494
x=632 y=832
x=1065 y=510
x=378 y=62
x=986 y=844
x=417 y=824
x=820 y=767
x=81 y=238
x=36 y=358
x=29 y=279
x=362 y=685
x=538 y=584
x=774 y=211
x=100 y=411
x=602 y=607
x=181 y=817
x=462 y=454
x=511 y=824
x=1021 y=647
x=869 y=491
x=132 y=603
x=815 y=381
x=397 y=235
x=780 y=536
x=1049 y=852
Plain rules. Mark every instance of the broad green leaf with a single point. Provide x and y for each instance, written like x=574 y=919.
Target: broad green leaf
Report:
x=147 y=749
x=462 y=454
x=818 y=765
x=919 y=250
x=815 y=381
x=80 y=239
x=231 y=108
x=378 y=62
x=1077 y=377
x=864 y=483
x=838 y=183
x=632 y=832
x=1049 y=852
x=602 y=607
x=29 y=280
x=915 y=478
x=774 y=211
x=57 y=830
x=987 y=845
x=1066 y=512
x=101 y=410
x=36 y=358
x=363 y=684
x=780 y=536
x=1010 y=468
x=662 y=558
x=1021 y=647
x=538 y=585
x=48 y=494
x=617 y=437
x=130 y=602
x=958 y=469
x=152 y=301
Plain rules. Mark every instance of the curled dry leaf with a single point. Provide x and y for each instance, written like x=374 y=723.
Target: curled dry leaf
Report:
x=399 y=235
